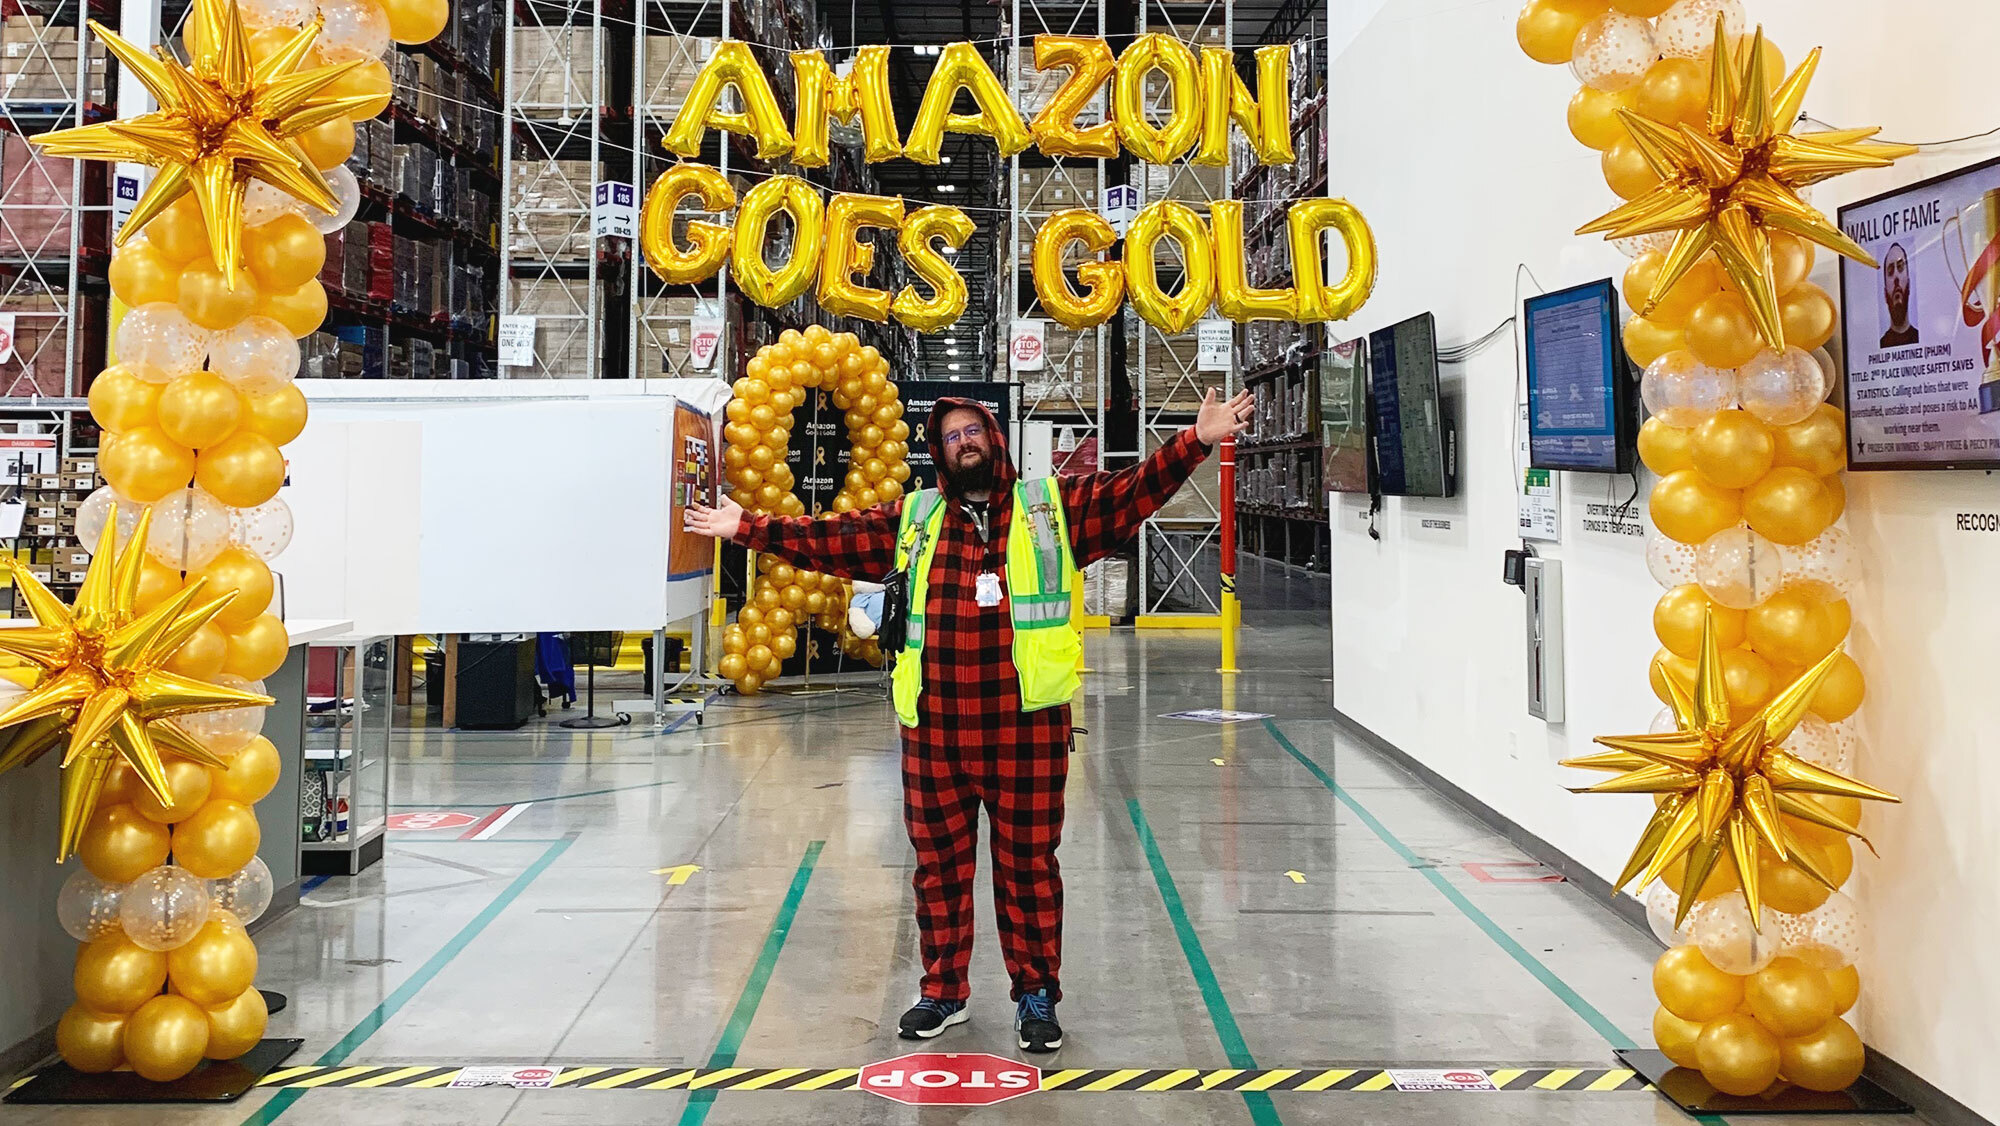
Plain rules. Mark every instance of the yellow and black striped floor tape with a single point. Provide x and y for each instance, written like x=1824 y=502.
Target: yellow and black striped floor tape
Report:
x=1594 y=1080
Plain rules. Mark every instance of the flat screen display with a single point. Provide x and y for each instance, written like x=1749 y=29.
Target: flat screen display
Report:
x=1343 y=416
x=1923 y=326
x=1579 y=394
x=1405 y=408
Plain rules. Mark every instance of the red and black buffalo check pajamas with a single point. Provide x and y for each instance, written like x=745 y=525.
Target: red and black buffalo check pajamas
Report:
x=973 y=744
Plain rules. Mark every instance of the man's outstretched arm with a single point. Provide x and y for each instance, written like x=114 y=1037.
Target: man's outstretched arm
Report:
x=1106 y=509
x=852 y=545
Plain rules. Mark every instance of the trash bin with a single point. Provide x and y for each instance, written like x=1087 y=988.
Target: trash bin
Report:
x=672 y=655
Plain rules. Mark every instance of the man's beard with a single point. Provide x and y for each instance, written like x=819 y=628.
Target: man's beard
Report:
x=973 y=478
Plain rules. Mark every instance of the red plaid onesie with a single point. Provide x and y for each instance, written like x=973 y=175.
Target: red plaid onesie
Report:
x=973 y=746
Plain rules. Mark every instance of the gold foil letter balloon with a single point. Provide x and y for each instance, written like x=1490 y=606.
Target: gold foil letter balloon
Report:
x=1103 y=282
x=1157 y=144
x=1318 y=299
x=1266 y=120
x=732 y=65
x=961 y=67
x=824 y=96
x=708 y=243
x=763 y=284
x=1090 y=66
x=948 y=294
x=846 y=255
x=1235 y=297
x=1170 y=313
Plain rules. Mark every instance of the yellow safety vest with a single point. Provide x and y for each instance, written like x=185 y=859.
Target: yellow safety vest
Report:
x=1041 y=572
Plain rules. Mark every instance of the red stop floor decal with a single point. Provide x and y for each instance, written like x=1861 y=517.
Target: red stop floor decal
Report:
x=944 y=1079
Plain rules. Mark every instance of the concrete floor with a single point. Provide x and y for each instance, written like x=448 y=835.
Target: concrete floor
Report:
x=556 y=942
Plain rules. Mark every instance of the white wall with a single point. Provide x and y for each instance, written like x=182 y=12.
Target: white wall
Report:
x=1454 y=145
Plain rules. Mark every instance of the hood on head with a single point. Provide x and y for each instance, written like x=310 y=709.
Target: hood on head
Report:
x=1004 y=473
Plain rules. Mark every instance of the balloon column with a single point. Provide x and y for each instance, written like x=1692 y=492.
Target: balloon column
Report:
x=1744 y=859
x=757 y=437
x=152 y=680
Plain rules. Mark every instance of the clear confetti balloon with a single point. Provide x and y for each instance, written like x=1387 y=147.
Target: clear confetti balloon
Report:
x=1829 y=936
x=259 y=14
x=265 y=530
x=1781 y=388
x=1815 y=741
x=1671 y=562
x=1683 y=392
x=347 y=190
x=87 y=907
x=1635 y=245
x=95 y=512
x=257 y=355
x=1613 y=52
x=1687 y=30
x=190 y=528
x=355 y=29
x=1662 y=904
x=1721 y=927
x=161 y=336
x=1848 y=731
x=163 y=909
x=263 y=203
x=1664 y=722
x=247 y=894
x=1739 y=568
x=228 y=730
x=1826 y=566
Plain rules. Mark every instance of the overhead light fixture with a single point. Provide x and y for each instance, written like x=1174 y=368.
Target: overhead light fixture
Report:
x=951 y=367
x=947 y=187
x=951 y=351
x=951 y=250
x=945 y=159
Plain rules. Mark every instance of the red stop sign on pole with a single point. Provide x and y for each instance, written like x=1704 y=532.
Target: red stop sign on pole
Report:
x=940 y=1079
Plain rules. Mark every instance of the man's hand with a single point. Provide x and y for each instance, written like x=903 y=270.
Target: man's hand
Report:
x=720 y=521
x=1218 y=420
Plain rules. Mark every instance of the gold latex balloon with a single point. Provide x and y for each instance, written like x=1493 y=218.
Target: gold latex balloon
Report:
x=758 y=281
x=235 y=1027
x=200 y=657
x=277 y=417
x=190 y=784
x=1676 y=306
x=1627 y=170
x=1829 y=1059
x=1836 y=495
x=328 y=144
x=1103 y=282
x=1737 y=1055
x=120 y=400
x=708 y=243
x=1235 y=297
x=732 y=65
x=283 y=254
x=1691 y=988
x=178 y=234
x=1793 y=628
x=244 y=572
x=1732 y=449
x=1170 y=313
x=142 y=275
x=1787 y=888
x=258 y=649
x=961 y=67
x=1747 y=679
x=1665 y=448
x=216 y=965
x=1676 y=1037
x=166 y=1038
x=1090 y=65
x=1678 y=618
x=1318 y=299
x=1787 y=506
x=220 y=838
x=1265 y=120
x=242 y=471
x=1846 y=985
x=1674 y=92
x=1791 y=262
x=90 y=1041
x=846 y=255
x=116 y=975
x=823 y=96
x=1546 y=29
x=1157 y=144
x=1817 y=445
x=300 y=310
x=1841 y=693
x=1721 y=332
x=410 y=21
x=1846 y=810
x=1686 y=508
x=199 y=409
x=1646 y=341
x=119 y=845
x=371 y=82
x=922 y=228
x=1644 y=9
x=1593 y=116
x=1809 y=316
x=1723 y=880
x=146 y=465
x=251 y=775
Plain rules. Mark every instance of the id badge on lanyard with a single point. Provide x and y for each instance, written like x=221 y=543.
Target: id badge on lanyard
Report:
x=987 y=589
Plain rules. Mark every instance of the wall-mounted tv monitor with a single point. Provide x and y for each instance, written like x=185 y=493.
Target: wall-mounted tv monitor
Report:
x=1580 y=402
x=1415 y=441
x=1343 y=416
x=1923 y=325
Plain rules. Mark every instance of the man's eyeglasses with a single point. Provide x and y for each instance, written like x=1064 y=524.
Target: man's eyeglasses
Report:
x=976 y=430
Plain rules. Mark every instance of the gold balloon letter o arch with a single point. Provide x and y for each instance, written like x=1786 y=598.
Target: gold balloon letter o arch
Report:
x=755 y=441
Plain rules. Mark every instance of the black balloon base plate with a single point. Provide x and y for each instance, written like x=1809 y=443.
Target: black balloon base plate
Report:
x=1685 y=1087
x=215 y=1081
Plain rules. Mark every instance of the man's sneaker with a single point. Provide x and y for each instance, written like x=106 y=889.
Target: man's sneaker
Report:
x=1035 y=1022
x=929 y=1017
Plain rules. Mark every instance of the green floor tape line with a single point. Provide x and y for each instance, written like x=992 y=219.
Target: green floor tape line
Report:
x=393 y=1003
x=1262 y=1110
x=738 y=1027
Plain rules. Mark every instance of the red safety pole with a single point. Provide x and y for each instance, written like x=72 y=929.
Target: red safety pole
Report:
x=1230 y=613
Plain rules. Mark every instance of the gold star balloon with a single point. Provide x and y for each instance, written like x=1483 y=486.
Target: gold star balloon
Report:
x=1727 y=786
x=223 y=121
x=1725 y=185
x=103 y=689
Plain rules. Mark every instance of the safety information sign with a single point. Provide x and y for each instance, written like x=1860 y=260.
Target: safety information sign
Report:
x=1216 y=715
x=1462 y=1080
x=519 y=1078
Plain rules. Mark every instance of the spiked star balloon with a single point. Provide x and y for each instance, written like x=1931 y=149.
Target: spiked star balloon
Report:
x=102 y=688
x=1727 y=786
x=1724 y=187
x=223 y=121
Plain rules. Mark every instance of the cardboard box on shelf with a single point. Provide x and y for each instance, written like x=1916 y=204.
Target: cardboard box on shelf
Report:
x=552 y=71
x=672 y=60
x=563 y=317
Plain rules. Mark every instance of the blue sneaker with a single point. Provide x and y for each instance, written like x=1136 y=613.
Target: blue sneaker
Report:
x=1035 y=1023
x=929 y=1017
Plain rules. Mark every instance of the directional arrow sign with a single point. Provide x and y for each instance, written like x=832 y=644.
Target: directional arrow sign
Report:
x=678 y=874
x=1296 y=877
